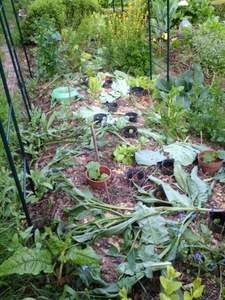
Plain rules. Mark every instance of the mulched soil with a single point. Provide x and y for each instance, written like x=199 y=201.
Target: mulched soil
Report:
x=121 y=192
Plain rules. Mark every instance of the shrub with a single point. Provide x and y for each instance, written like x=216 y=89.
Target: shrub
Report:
x=92 y=28
x=209 y=43
x=196 y=12
x=77 y=9
x=219 y=9
x=47 y=51
x=39 y=8
x=126 y=47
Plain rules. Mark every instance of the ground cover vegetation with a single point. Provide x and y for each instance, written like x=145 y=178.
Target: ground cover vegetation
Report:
x=121 y=241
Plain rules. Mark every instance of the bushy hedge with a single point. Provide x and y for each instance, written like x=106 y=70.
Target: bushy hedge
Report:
x=63 y=12
x=77 y=9
x=39 y=8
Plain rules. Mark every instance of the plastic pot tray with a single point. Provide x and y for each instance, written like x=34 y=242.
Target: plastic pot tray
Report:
x=62 y=93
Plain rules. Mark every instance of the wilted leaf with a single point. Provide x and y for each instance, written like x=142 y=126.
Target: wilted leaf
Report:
x=180 y=153
x=148 y=157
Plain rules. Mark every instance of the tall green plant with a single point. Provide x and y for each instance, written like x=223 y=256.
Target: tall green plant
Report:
x=47 y=51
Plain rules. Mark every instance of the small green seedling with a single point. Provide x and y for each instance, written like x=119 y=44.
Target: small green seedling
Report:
x=217 y=221
x=94 y=171
x=209 y=157
x=131 y=130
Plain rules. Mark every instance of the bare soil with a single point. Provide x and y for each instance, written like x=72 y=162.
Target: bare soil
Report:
x=122 y=193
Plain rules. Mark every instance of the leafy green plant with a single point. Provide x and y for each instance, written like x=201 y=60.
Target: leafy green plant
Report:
x=205 y=106
x=39 y=9
x=77 y=9
x=144 y=82
x=170 y=115
x=159 y=16
x=34 y=260
x=209 y=157
x=94 y=86
x=209 y=43
x=196 y=11
x=94 y=171
x=170 y=286
x=47 y=51
x=124 y=154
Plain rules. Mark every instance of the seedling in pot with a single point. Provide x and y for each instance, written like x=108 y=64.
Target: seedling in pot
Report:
x=94 y=171
x=209 y=157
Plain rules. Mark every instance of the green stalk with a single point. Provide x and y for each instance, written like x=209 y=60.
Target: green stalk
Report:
x=119 y=136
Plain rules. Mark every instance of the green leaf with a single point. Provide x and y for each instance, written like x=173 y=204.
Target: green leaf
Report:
x=27 y=261
x=221 y=154
x=47 y=184
x=172 y=195
x=152 y=135
x=198 y=292
x=103 y=177
x=173 y=286
x=164 y=297
x=93 y=174
x=153 y=227
x=87 y=112
x=148 y=157
x=180 y=153
x=187 y=296
x=81 y=256
x=191 y=237
x=164 y=282
x=197 y=283
x=93 y=165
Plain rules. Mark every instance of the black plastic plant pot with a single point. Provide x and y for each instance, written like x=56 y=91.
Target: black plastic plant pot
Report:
x=132 y=116
x=99 y=117
x=135 y=176
x=167 y=166
x=130 y=131
x=84 y=81
x=137 y=91
x=160 y=194
x=107 y=83
x=112 y=106
x=217 y=222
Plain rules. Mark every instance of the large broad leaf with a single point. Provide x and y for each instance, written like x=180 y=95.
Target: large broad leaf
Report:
x=89 y=111
x=180 y=153
x=172 y=196
x=121 y=86
x=27 y=261
x=81 y=256
x=198 y=74
x=153 y=227
x=152 y=135
x=148 y=157
x=197 y=190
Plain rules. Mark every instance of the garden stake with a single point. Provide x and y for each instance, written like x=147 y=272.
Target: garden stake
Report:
x=98 y=159
x=149 y=100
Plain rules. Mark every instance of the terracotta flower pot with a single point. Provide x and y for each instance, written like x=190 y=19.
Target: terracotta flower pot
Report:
x=211 y=167
x=99 y=184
